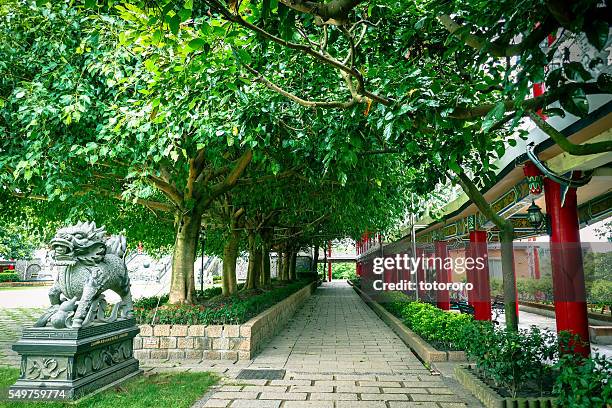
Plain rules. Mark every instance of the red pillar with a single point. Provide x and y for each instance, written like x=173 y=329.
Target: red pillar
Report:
x=567 y=269
x=480 y=276
x=442 y=275
x=329 y=268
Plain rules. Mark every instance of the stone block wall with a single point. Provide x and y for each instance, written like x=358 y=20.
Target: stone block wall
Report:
x=217 y=342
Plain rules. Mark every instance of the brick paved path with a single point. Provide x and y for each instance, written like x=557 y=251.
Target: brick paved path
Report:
x=11 y=323
x=337 y=354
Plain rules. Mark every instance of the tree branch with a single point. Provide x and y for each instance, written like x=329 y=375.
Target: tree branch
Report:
x=571 y=148
x=481 y=203
x=297 y=99
x=478 y=43
x=590 y=88
x=333 y=12
x=326 y=59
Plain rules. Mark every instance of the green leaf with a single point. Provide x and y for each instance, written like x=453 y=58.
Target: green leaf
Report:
x=576 y=72
x=597 y=33
x=196 y=43
x=454 y=167
x=493 y=116
x=554 y=112
x=575 y=103
x=174 y=23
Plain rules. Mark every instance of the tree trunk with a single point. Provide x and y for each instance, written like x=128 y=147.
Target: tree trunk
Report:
x=285 y=274
x=506 y=236
x=315 y=258
x=265 y=266
x=292 y=269
x=324 y=265
x=254 y=264
x=183 y=257
x=230 y=254
x=279 y=264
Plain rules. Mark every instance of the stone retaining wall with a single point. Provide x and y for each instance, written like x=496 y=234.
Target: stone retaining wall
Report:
x=217 y=342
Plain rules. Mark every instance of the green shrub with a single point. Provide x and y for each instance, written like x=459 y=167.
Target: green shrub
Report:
x=343 y=271
x=443 y=329
x=151 y=302
x=535 y=289
x=9 y=277
x=601 y=292
x=512 y=361
x=235 y=309
x=584 y=382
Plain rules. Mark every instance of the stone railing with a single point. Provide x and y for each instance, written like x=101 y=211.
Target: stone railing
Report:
x=217 y=342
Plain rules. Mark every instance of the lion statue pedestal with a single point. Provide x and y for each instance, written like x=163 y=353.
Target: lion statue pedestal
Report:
x=78 y=345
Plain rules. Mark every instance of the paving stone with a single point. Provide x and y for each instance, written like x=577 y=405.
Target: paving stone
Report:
x=380 y=384
x=328 y=396
x=360 y=404
x=295 y=396
x=357 y=389
x=311 y=388
x=264 y=388
x=433 y=397
x=308 y=404
x=235 y=395
x=290 y=382
x=245 y=403
x=384 y=397
x=216 y=403
x=411 y=404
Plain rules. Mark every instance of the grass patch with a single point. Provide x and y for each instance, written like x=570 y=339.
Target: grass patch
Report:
x=176 y=390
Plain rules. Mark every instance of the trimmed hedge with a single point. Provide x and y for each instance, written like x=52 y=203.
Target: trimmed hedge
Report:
x=215 y=310
x=9 y=277
x=442 y=329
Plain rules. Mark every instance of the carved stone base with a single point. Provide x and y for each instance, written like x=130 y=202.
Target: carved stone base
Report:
x=76 y=361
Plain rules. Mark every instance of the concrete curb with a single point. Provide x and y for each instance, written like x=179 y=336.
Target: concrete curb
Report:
x=492 y=399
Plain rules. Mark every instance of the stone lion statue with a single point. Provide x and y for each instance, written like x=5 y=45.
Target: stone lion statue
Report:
x=88 y=263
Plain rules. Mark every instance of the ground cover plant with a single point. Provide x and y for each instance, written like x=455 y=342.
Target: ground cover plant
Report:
x=9 y=277
x=212 y=308
x=177 y=390
x=443 y=330
x=528 y=364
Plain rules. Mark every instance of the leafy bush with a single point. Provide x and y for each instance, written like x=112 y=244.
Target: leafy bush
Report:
x=9 y=277
x=151 y=302
x=236 y=309
x=535 y=289
x=443 y=329
x=584 y=382
x=601 y=292
x=511 y=361
x=343 y=271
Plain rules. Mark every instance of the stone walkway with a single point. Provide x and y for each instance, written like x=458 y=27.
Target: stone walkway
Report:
x=337 y=353
x=11 y=324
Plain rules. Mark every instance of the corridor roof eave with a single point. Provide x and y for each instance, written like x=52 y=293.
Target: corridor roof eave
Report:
x=577 y=132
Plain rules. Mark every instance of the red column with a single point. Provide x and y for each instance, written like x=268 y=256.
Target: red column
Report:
x=480 y=276
x=329 y=268
x=442 y=275
x=566 y=260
